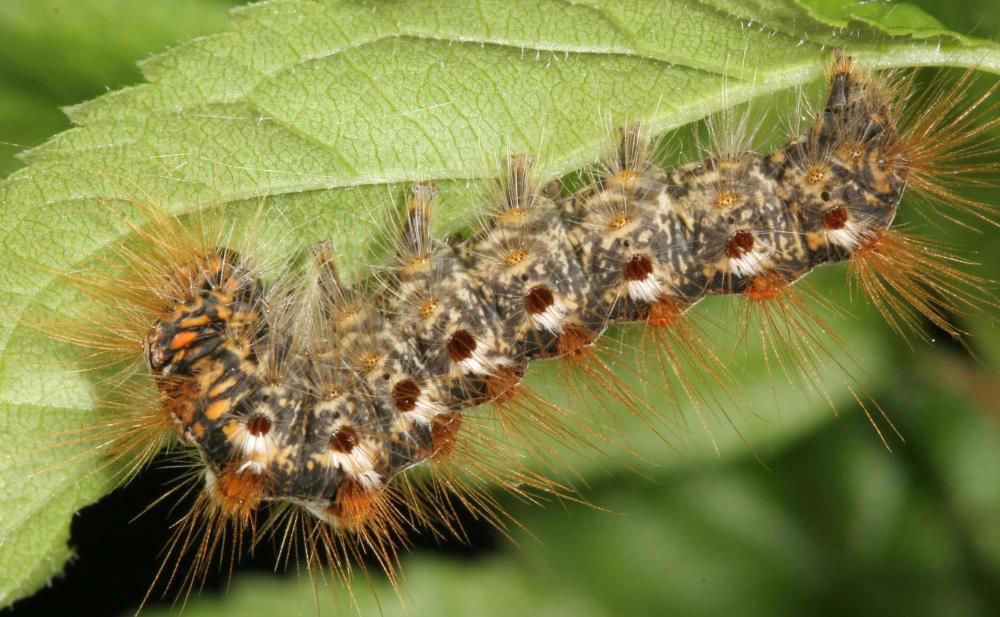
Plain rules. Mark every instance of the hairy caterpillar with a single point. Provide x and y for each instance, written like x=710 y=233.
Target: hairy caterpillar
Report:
x=665 y=316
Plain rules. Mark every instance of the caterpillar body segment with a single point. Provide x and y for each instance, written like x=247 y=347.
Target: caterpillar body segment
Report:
x=456 y=328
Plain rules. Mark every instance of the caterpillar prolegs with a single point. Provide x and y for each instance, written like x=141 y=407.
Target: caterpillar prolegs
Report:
x=320 y=400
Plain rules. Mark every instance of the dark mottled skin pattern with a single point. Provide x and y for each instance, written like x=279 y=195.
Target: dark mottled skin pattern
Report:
x=362 y=404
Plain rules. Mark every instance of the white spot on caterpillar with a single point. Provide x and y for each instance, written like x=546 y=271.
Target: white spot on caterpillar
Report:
x=258 y=449
x=750 y=263
x=359 y=463
x=255 y=446
x=552 y=318
x=369 y=480
x=253 y=467
x=647 y=290
x=425 y=410
x=478 y=364
x=848 y=237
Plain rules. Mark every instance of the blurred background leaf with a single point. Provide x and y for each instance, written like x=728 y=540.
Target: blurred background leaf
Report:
x=834 y=524
x=56 y=53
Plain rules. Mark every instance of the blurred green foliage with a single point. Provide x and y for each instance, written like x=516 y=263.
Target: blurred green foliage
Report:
x=58 y=52
x=834 y=524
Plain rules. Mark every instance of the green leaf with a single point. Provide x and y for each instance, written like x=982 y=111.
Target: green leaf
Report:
x=329 y=109
x=893 y=18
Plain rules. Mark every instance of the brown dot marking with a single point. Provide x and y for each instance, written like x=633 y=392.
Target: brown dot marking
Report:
x=816 y=174
x=739 y=244
x=444 y=434
x=538 y=300
x=515 y=257
x=344 y=440
x=258 y=424
x=405 y=395
x=427 y=308
x=638 y=268
x=354 y=505
x=461 y=345
x=836 y=218
x=726 y=200
x=618 y=221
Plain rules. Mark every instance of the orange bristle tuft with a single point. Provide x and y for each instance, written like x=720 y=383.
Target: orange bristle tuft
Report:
x=947 y=143
x=794 y=337
x=907 y=278
x=681 y=355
